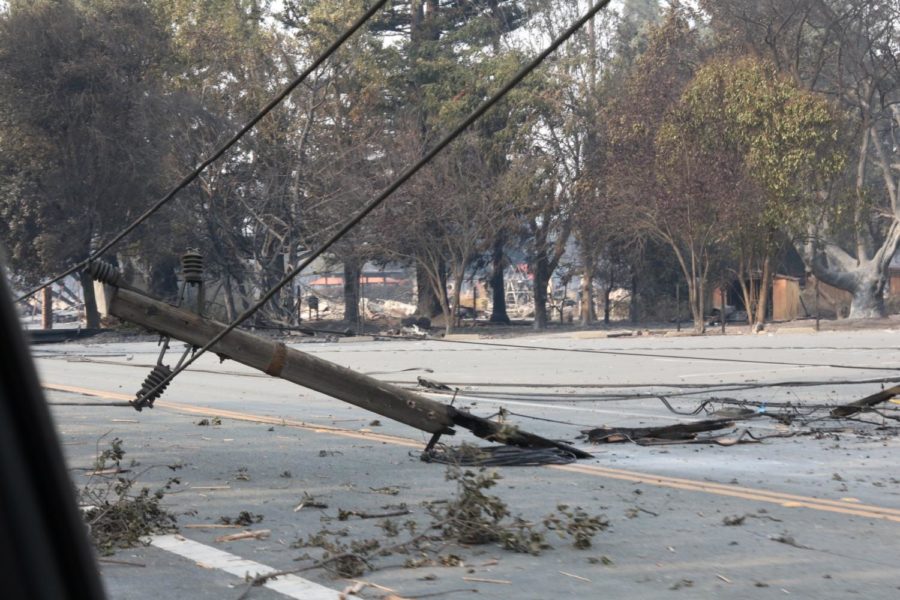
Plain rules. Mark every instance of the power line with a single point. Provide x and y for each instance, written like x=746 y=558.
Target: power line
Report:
x=662 y=384
x=190 y=177
x=387 y=192
x=688 y=389
x=583 y=398
x=648 y=354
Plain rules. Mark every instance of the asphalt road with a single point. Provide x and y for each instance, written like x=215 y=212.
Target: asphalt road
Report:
x=821 y=512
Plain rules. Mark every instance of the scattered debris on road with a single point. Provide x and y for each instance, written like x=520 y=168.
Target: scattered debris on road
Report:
x=433 y=385
x=116 y=515
x=243 y=519
x=259 y=534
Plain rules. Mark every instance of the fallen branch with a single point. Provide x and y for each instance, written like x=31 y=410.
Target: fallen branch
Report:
x=644 y=510
x=377 y=586
x=262 y=579
x=573 y=576
x=113 y=561
x=483 y=580
x=435 y=594
x=343 y=515
x=310 y=501
x=259 y=534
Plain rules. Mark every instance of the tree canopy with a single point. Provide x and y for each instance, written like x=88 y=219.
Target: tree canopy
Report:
x=707 y=143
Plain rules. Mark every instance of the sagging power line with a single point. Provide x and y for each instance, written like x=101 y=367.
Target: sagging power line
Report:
x=657 y=355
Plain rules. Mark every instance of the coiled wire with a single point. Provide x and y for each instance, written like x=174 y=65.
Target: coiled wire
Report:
x=497 y=456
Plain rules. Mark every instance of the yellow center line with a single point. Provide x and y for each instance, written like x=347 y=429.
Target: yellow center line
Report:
x=784 y=500
x=242 y=416
x=718 y=489
x=731 y=489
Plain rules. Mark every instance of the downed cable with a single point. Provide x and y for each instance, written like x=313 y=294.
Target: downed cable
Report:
x=726 y=418
x=691 y=390
x=497 y=456
x=648 y=354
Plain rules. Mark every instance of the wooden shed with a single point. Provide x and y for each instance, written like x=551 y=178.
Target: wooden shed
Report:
x=786 y=298
x=894 y=282
x=893 y=287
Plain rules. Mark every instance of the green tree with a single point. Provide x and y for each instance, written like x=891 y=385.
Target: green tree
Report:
x=846 y=50
x=653 y=193
x=768 y=142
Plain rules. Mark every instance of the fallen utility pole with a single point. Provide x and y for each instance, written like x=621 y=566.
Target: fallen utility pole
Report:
x=277 y=360
x=678 y=432
x=847 y=410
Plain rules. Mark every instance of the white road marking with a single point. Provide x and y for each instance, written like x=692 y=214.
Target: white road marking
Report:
x=213 y=558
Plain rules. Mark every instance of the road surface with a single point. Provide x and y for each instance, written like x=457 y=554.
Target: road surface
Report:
x=821 y=513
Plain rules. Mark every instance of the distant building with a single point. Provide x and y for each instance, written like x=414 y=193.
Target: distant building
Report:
x=894 y=276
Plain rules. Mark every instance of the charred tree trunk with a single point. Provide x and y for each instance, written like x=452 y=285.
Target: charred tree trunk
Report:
x=633 y=305
x=865 y=279
x=866 y=284
x=541 y=280
x=91 y=315
x=607 y=304
x=762 y=299
x=427 y=302
x=588 y=315
x=453 y=319
x=351 y=291
x=589 y=263
x=497 y=283
x=868 y=297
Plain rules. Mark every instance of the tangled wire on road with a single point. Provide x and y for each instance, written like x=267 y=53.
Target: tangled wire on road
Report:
x=497 y=456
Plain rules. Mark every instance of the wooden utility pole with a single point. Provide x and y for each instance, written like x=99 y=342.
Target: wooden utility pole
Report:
x=277 y=360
